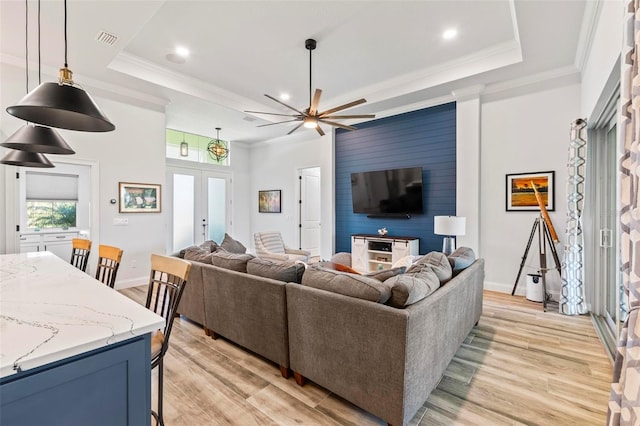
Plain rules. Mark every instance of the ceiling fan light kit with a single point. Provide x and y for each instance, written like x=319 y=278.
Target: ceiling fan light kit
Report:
x=310 y=117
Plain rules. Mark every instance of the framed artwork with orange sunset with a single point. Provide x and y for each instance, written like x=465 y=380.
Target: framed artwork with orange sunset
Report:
x=521 y=195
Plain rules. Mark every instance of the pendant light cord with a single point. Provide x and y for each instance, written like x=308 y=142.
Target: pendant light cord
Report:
x=39 y=50
x=26 y=42
x=310 y=52
x=65 y=34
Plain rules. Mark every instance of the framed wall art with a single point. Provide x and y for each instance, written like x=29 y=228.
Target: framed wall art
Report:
x=139 y=198
x=520 y=194
x=269 y=201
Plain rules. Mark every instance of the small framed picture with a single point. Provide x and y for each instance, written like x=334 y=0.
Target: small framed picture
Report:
x=520 y=193
x=139 y=198
x=269 y=201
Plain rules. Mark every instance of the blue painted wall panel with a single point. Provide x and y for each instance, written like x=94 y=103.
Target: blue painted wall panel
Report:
x=425 y=138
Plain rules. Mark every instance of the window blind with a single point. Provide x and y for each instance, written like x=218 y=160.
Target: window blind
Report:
x=51 y=186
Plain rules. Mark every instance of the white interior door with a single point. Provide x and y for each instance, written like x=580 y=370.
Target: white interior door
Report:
x=199 y=202
x=309 y=224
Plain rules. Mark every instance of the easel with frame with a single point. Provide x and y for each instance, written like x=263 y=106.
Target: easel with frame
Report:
x=546 y=234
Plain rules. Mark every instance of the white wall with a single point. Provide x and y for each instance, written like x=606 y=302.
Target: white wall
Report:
x=134 y=152
x=605 y=51
x=274 y=166
x=526 y=133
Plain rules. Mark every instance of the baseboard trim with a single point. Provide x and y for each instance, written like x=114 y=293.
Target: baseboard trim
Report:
x=520 y=290
x=131 y=282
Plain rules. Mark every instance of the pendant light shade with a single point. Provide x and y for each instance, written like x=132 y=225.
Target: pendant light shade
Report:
x=25 y=159
x=35 y=138
x=62 y=105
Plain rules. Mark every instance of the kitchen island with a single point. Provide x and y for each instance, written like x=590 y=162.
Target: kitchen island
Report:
x=72 y=350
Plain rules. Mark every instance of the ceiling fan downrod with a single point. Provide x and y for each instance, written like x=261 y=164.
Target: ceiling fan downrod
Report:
x=310 y=45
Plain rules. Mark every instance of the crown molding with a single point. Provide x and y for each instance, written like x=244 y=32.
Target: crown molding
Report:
x=145 y=70
x=588 y=29
x=467 y=93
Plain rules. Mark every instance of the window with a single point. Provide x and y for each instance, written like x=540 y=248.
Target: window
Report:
x=51 y=200
x=195 y=148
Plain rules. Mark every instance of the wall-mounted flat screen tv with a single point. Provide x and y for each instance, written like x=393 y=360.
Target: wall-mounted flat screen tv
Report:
x=387 y=192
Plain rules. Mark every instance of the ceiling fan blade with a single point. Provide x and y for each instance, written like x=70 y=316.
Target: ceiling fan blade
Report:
x=279 y=122
x=319 y=129
x=295 y=128
x=349 y=116
x=343 y=126
x=341 y=107
x=283 y=104
x=271 y=113
x=313 y=108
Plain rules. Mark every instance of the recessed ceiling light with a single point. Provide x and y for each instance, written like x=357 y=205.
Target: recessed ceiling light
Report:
x=450 y=34
x=182 y=51
x=284 y=96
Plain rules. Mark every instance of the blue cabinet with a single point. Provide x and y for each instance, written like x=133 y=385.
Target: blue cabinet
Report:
x=106 y=386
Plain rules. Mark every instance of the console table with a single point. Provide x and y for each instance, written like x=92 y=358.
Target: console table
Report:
x=72 y=350
x=370 y=252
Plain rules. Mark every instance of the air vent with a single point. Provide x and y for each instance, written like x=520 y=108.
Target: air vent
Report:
x=107 y=38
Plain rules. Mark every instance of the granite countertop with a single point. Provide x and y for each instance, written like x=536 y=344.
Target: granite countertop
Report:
x=49 y=310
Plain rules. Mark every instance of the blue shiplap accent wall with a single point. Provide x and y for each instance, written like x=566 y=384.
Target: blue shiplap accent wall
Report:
x=425 y=138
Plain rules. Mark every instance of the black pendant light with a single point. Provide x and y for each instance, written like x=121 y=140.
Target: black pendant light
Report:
x=62 y=104
x=26 y=159
x=35 y=138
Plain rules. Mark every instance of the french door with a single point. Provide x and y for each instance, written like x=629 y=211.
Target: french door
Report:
x=199 y=203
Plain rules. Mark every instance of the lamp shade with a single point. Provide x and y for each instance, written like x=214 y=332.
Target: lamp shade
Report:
x=34 y=138
x=63 y=106
x=25 y=159
x=449 y=225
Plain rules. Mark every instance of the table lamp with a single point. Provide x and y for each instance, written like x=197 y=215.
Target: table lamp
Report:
x=449 y=226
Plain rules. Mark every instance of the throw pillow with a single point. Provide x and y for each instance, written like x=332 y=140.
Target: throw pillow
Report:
x=233 y=261
x=461 y=258
x=287 y=271
x=439 y=263
x=210 y=245
x=342 y=258
x=385 y=274
x=197 y=254
x=344 y=268
x=412 y=287
x=231 y=245
x=346 y=284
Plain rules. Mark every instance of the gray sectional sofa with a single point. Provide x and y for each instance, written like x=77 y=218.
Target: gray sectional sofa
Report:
x=384 y=359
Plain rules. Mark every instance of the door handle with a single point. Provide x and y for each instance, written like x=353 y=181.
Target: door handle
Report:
x=605 y=238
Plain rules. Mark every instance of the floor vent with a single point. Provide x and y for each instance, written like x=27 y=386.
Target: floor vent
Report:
x=107 y=38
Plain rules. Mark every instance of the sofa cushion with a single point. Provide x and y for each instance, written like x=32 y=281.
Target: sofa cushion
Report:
x=232 y=246
x=411 y=287
x=461 y=258
x=197 y=254
x=228 y=260
x=347 y=284
x=385 y=274
x=288 y=271
x=439 y=264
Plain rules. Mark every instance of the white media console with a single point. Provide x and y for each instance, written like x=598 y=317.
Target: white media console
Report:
x=374 y=252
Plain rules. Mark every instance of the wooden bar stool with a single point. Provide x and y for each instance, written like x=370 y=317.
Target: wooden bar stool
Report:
x=109 y=258
x=80 y=253
x=166 y=283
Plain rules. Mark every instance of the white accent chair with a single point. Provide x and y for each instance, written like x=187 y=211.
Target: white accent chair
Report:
x=269 y=245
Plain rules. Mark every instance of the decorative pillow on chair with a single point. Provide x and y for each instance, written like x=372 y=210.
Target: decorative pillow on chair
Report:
x=412 y=287
x=288 y=271
x=462 y=258
x=197 y=254
x=438 y=262
x=232 y=246
x=233 y=261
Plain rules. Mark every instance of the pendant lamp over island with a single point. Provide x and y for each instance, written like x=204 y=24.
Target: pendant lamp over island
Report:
x=63 y=104
x=26 y=159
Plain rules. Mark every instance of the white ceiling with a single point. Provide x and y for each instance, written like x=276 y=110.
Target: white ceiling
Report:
x=389 y=52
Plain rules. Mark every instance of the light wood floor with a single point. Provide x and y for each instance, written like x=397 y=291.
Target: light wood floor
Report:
x=518 y=366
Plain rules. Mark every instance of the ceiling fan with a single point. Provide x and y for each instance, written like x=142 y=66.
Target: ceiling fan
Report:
x=310 y=117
